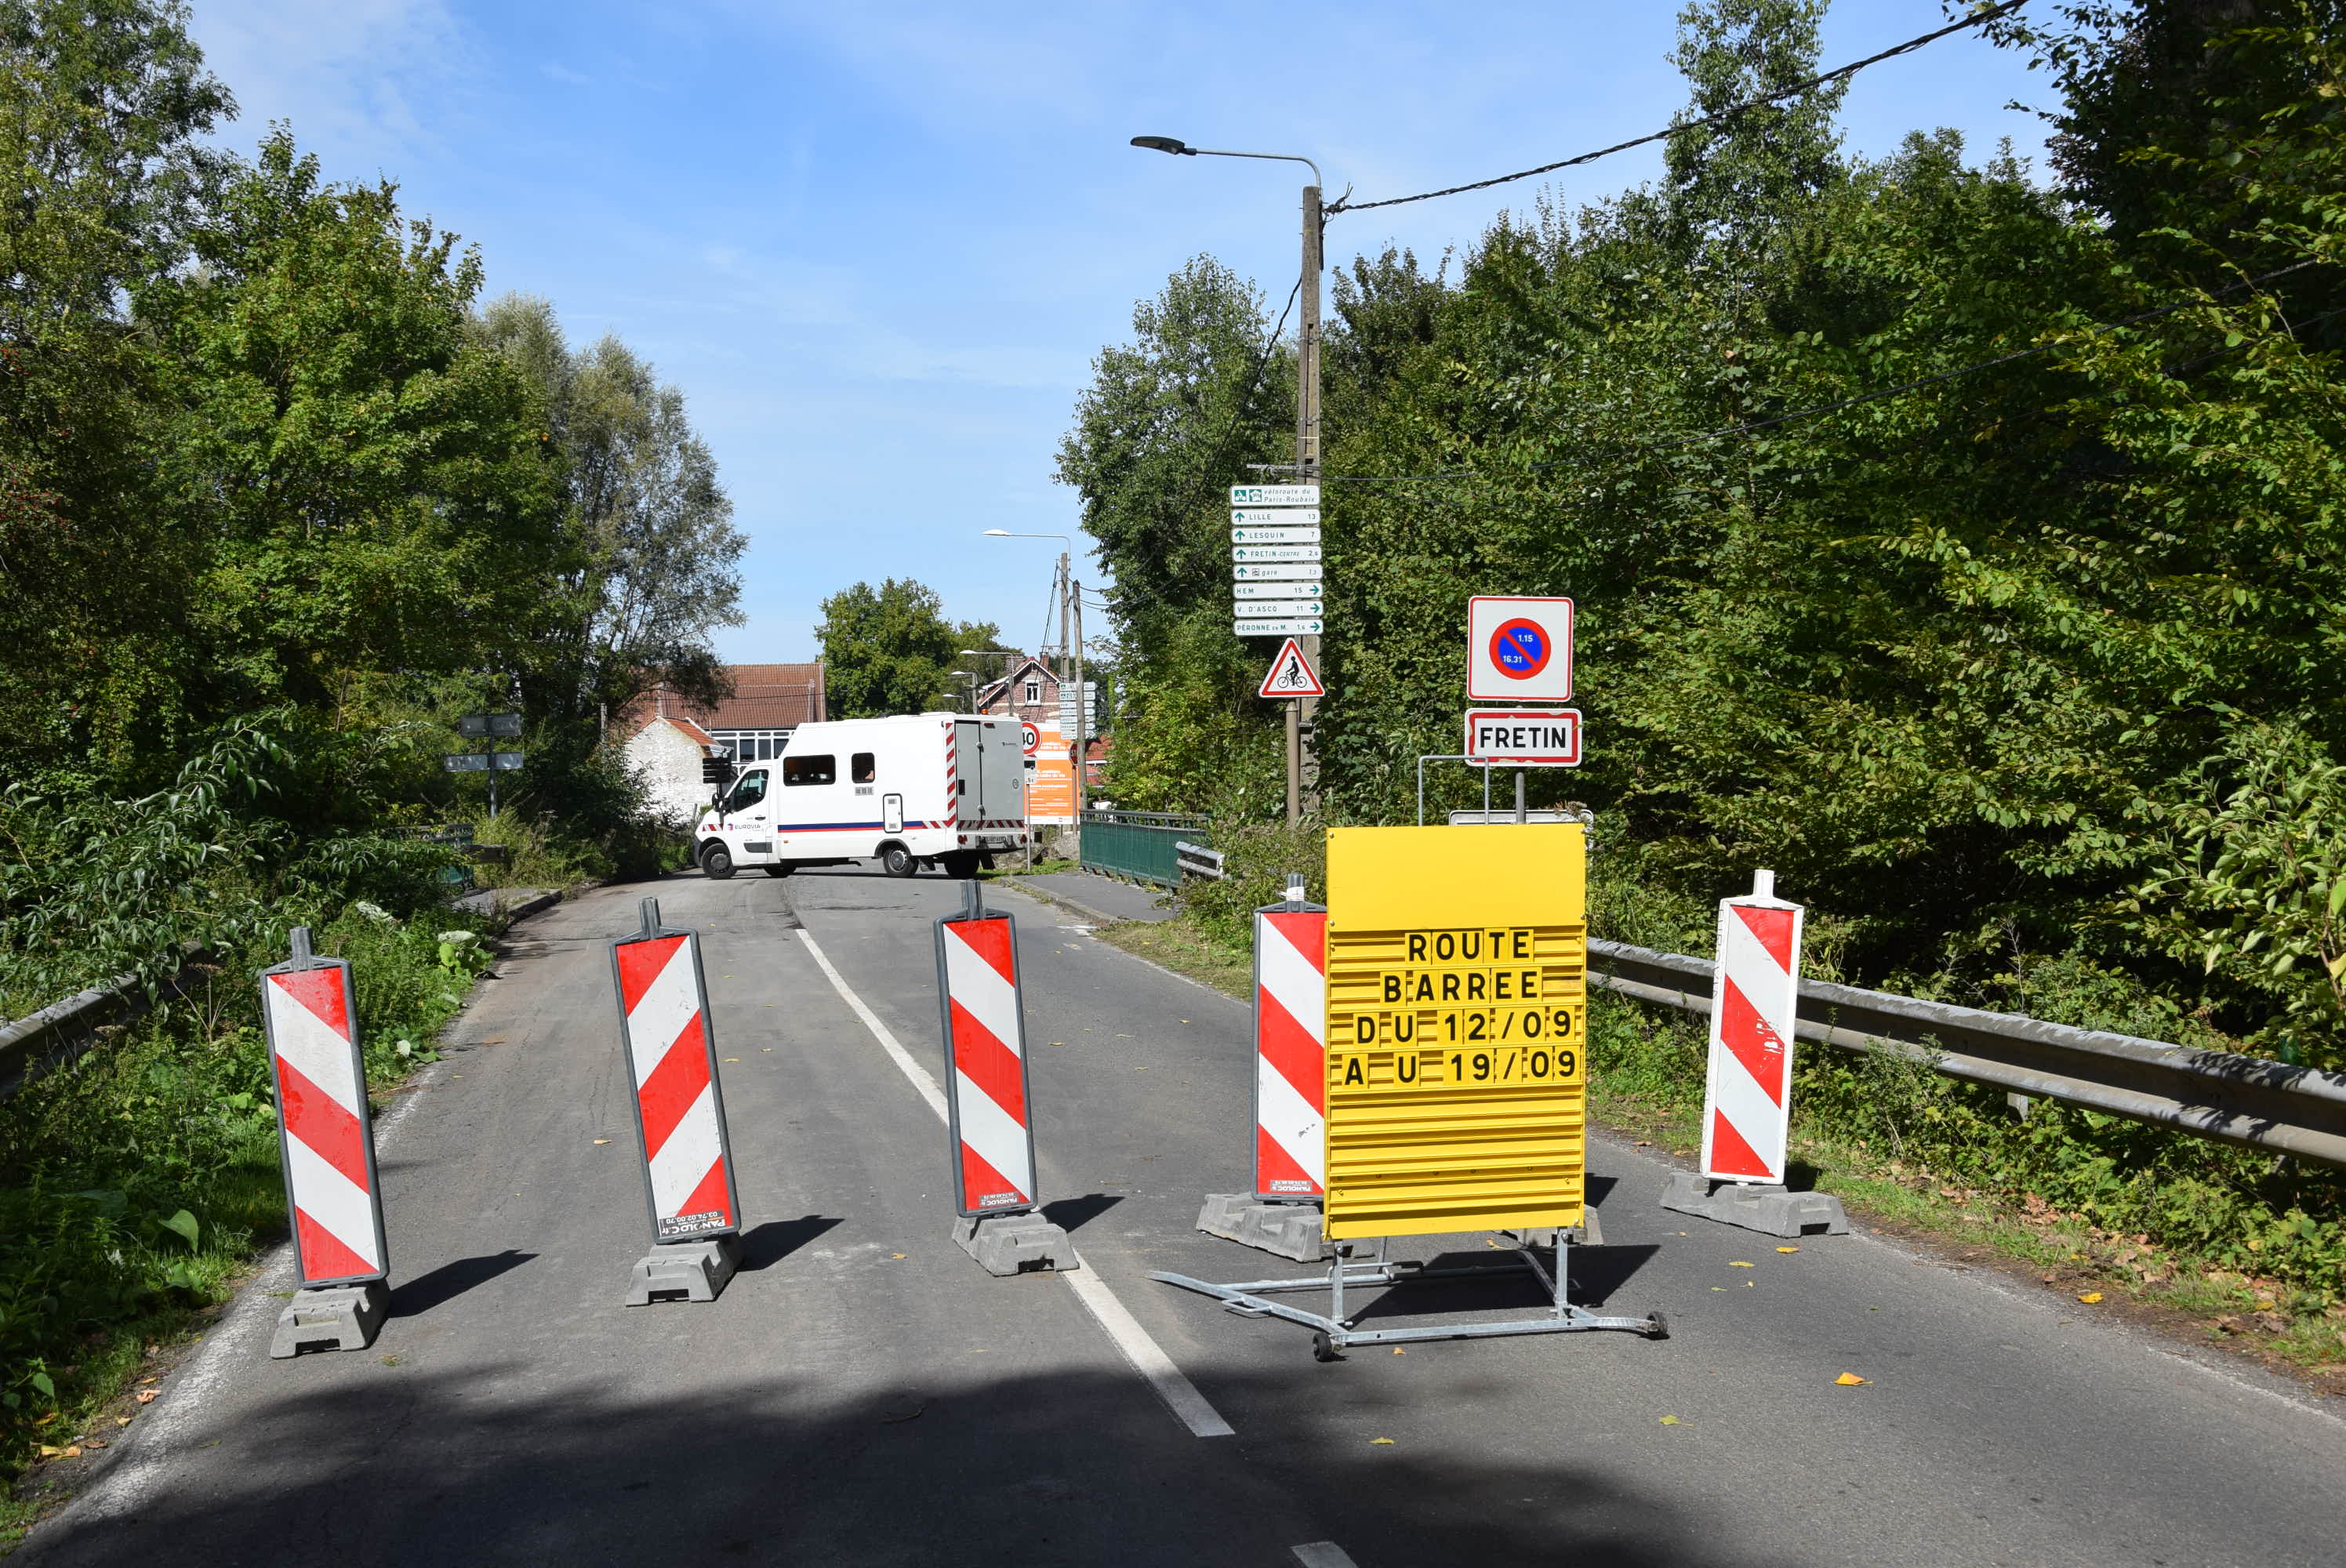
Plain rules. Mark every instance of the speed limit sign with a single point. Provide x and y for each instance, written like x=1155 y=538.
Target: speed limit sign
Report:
x=1030 y=739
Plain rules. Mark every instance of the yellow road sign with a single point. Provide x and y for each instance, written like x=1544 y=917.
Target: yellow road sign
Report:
x=1457 y=1003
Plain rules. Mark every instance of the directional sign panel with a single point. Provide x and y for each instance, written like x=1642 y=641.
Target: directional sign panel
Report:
x=466 y=762
x=1253 y=535
x=1287 y=626
x=1518 y=649
x=508 y=760
x=1529 y=737
x=1254 y=555
x=1274 y=495
x=1277 y=591
x=1457 y=1000
x=1258 y=609
x=1255 y=572
x=1274 y=516
x=506 y=725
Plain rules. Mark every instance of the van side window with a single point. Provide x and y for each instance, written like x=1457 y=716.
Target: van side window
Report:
x=797 y=771
x=863 y=768
x=749 y=791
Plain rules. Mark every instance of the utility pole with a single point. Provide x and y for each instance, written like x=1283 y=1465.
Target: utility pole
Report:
x=1306 y=465
x=1307 y=414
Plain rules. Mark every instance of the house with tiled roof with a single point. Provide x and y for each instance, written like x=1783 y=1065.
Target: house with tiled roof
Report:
x=664 y=736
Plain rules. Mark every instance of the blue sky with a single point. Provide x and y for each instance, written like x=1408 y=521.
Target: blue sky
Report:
x=878 y=246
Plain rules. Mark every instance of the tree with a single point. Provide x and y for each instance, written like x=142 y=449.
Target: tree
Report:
x=1168 y=423
x=657 y=561
x=891 y=650
x=373 y=489
x=103 y=104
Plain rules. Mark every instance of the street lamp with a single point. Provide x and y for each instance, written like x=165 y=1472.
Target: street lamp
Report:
x=1071 y=610
x=1307 y=397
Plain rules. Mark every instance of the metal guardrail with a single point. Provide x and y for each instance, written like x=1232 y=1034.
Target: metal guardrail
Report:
x=1138 y=844
x=1198 y=860
x=2299 y=1111
x=64 y=1030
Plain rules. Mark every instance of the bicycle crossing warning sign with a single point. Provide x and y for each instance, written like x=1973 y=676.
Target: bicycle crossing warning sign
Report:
x=1291 y=674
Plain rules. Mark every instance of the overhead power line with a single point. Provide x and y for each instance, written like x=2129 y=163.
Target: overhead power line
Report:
x=1722 y=117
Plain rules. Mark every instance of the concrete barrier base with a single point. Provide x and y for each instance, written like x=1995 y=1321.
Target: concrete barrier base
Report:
x=1285 y=1229
x=685 y=1272
x=1771 y=1210
x=1007 y=1244
x=331 y=1318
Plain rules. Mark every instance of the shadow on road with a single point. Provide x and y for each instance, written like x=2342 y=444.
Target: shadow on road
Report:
x=1072 y=1213
x=418 y=1296
x=941 y=1465
x=777 y=1239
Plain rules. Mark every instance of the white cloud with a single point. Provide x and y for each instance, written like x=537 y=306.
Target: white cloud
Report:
x=561 y=73
x=357 y=76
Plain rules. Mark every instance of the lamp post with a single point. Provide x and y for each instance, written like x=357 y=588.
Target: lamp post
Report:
x=1307 y=397
x=1071 y=612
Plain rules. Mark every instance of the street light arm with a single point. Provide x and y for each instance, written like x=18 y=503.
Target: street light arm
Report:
x=1281 y=156
x=1176 y=146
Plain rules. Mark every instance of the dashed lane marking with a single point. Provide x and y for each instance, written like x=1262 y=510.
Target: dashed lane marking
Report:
x=1146 y=1355
x=1322 y=1554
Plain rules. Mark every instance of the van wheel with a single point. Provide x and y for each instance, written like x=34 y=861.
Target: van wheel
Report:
x=716 y=861
x=784 y=869
x=961 y=866
x=898 y=862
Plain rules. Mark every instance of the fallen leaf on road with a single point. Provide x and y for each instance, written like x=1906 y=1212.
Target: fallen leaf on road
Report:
x=895 y=1254
x=1788 y=1249
x=92 y=1442
x=1670 y=1420
x=602 y=1141
x=146 y=1396
x=1643 y=1145
x=1399 y=1351
x=1848 y=1379
x=1720 y=1288
x=733 y=1058
x=122 y=1420
x=904 y=1415
x=2091 y=1298
x=1381 y=1443
x=1739 y=1264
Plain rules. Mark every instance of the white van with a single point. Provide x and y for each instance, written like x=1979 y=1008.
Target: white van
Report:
x=930 y=789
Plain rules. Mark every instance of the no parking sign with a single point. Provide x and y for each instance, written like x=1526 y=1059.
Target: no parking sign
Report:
x=1518 y=649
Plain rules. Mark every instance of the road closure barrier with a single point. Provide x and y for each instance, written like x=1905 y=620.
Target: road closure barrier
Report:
x=1746 y=1111
x=1281 y=1214
x=989 y=1120
x=334 y=1197
x=669 y=1043
x=1456 y=1076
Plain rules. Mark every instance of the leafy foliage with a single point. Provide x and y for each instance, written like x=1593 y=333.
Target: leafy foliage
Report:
x=890 y=649
x=1934 y=533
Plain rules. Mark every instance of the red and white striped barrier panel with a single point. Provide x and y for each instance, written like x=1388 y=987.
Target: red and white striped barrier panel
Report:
x=986 y=1058
x=1290 y=1052
x=325 y=1138
x=1748 y=1096
x=671 y=1055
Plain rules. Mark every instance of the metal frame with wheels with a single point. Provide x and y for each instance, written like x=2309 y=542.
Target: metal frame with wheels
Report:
x=1334 y=1331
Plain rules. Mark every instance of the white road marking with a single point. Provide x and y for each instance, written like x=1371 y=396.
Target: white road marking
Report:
x=1146 y=1357
x=1322 y=1554
x=918 y=1075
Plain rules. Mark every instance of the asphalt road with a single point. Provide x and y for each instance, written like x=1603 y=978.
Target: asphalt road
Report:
x=863 y=1393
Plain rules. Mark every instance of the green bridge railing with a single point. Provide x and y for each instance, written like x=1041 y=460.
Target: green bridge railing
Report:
x=1139 y=844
